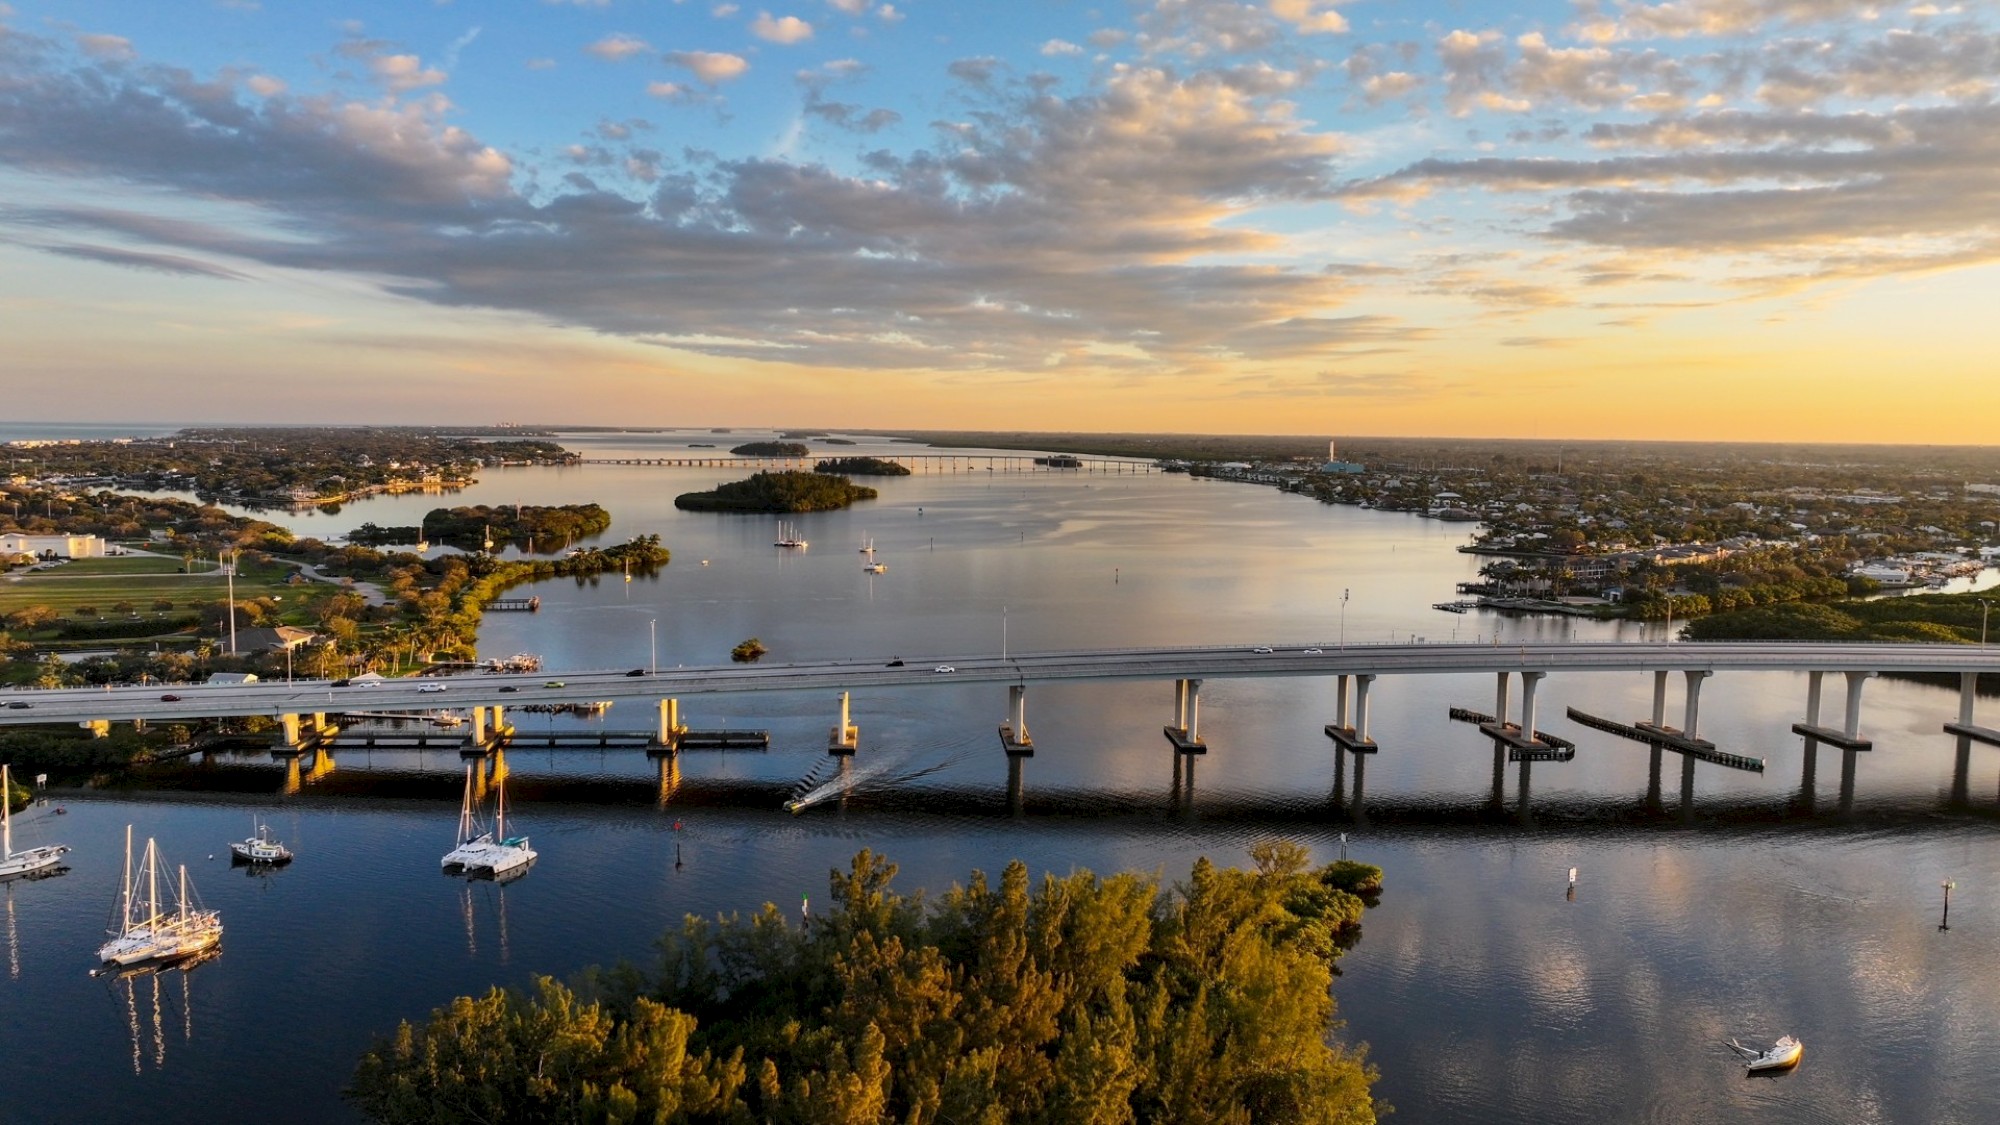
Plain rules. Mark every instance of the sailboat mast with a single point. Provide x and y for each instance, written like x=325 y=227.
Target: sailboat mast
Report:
x=465 y=809
x=500 y=809
x=183 y=898
x=127 y=896
x=152 y=865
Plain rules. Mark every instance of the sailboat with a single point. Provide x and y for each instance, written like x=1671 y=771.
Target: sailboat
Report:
x=868 y=546
x=13 y=864
x=142 y=931
x=788 y=536
x=423 y=541
x=505 y=855
x=472 y=842
x=258 y=847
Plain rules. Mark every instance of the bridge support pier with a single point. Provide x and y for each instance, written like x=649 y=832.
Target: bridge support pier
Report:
x=1660 y=698
x=1352 y=734
x=479 y=725
x=288 y=726
x=845 y=738
x=1521 y=737
x=1014 y=736
x=671 y=727
x=1849 y=736
x=1691 y=722
x=1185 y=731
x=1968 y=690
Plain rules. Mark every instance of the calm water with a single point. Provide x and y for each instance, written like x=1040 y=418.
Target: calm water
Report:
x=1765 y=904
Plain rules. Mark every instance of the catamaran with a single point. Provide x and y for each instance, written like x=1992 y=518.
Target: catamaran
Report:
x=472 y=841
x=505 y=855
x=142 y=931
x=34 y=861
x=258 y=847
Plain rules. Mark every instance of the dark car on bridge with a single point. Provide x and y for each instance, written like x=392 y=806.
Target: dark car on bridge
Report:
x=170 y=698
x=636 y=672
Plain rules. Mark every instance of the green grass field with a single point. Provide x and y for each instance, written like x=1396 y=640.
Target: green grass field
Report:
x=104 y=583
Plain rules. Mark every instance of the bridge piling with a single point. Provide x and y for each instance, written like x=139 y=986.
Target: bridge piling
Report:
x=1968 y=689
x=1695 y=676
x=1185 y=731
x=1660 y=698
x=1014 y=737
x=1849 y=737
x=845 y=738
x=1352 y=735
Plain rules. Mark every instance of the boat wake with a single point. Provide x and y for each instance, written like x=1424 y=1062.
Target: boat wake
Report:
x=872 y=776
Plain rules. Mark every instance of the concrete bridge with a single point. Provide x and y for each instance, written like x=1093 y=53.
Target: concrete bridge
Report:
x=919 y=463
x=1353 y=668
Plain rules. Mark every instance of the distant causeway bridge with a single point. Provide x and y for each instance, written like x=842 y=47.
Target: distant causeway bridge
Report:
x=918 y=463
x=303 y=708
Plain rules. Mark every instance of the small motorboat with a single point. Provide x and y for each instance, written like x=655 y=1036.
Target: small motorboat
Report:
x=1782 y=1055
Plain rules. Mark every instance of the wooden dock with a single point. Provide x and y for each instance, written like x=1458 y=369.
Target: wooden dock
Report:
x=1699 y=748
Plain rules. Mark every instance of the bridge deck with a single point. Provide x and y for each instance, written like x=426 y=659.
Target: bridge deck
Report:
x=70 y=705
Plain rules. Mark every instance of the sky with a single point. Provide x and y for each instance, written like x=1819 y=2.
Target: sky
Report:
x=1691 y=219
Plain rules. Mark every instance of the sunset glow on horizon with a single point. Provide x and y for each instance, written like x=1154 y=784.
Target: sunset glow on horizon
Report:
x=1735 y=220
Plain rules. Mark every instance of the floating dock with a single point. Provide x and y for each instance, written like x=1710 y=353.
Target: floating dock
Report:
x=1833 y=737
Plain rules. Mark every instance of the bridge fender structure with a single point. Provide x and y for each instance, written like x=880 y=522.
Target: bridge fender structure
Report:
x=1014 y=736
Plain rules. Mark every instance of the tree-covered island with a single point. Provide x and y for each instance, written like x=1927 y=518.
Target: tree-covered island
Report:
x=468 y=528
x=773 y=449
x=779 y=492
x=862 y=467
x=1077 y=1001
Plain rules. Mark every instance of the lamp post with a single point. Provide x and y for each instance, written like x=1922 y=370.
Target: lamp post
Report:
x=653 y=644
x=1003 y=632
x=1944 y=923
x=1983 y=607
x=230 y=574
x=1343 y=616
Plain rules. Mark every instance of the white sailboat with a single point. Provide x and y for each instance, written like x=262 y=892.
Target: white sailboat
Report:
x=505 y=855
x=471 y=841
x=142 y=931
x=13 y=864
x=258 y=847
x=788 y=536
x=868 y=546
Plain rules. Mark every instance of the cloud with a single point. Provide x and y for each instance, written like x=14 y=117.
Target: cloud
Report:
x=618 y=47
x=787 y=29
x=1112 y=224
x=1055 y=48
x=174 y=264
x=402 y=73
x=1309 y=16
x=1679 y=19
x=711 y=67
x=849 y=7
x=852 y=117
x=110 y=47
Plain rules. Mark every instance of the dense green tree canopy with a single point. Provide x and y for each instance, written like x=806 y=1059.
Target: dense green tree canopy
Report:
x=1080 y=1001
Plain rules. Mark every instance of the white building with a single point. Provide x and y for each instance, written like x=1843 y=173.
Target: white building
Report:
x=60 y=546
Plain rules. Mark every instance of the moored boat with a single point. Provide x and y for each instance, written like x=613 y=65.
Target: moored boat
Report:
x=258 y=847
x=471 y=841
x=1782 y=1055
x=23 y=864
x=143 y=932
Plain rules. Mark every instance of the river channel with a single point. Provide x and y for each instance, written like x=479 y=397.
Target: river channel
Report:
x=1802 y=899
